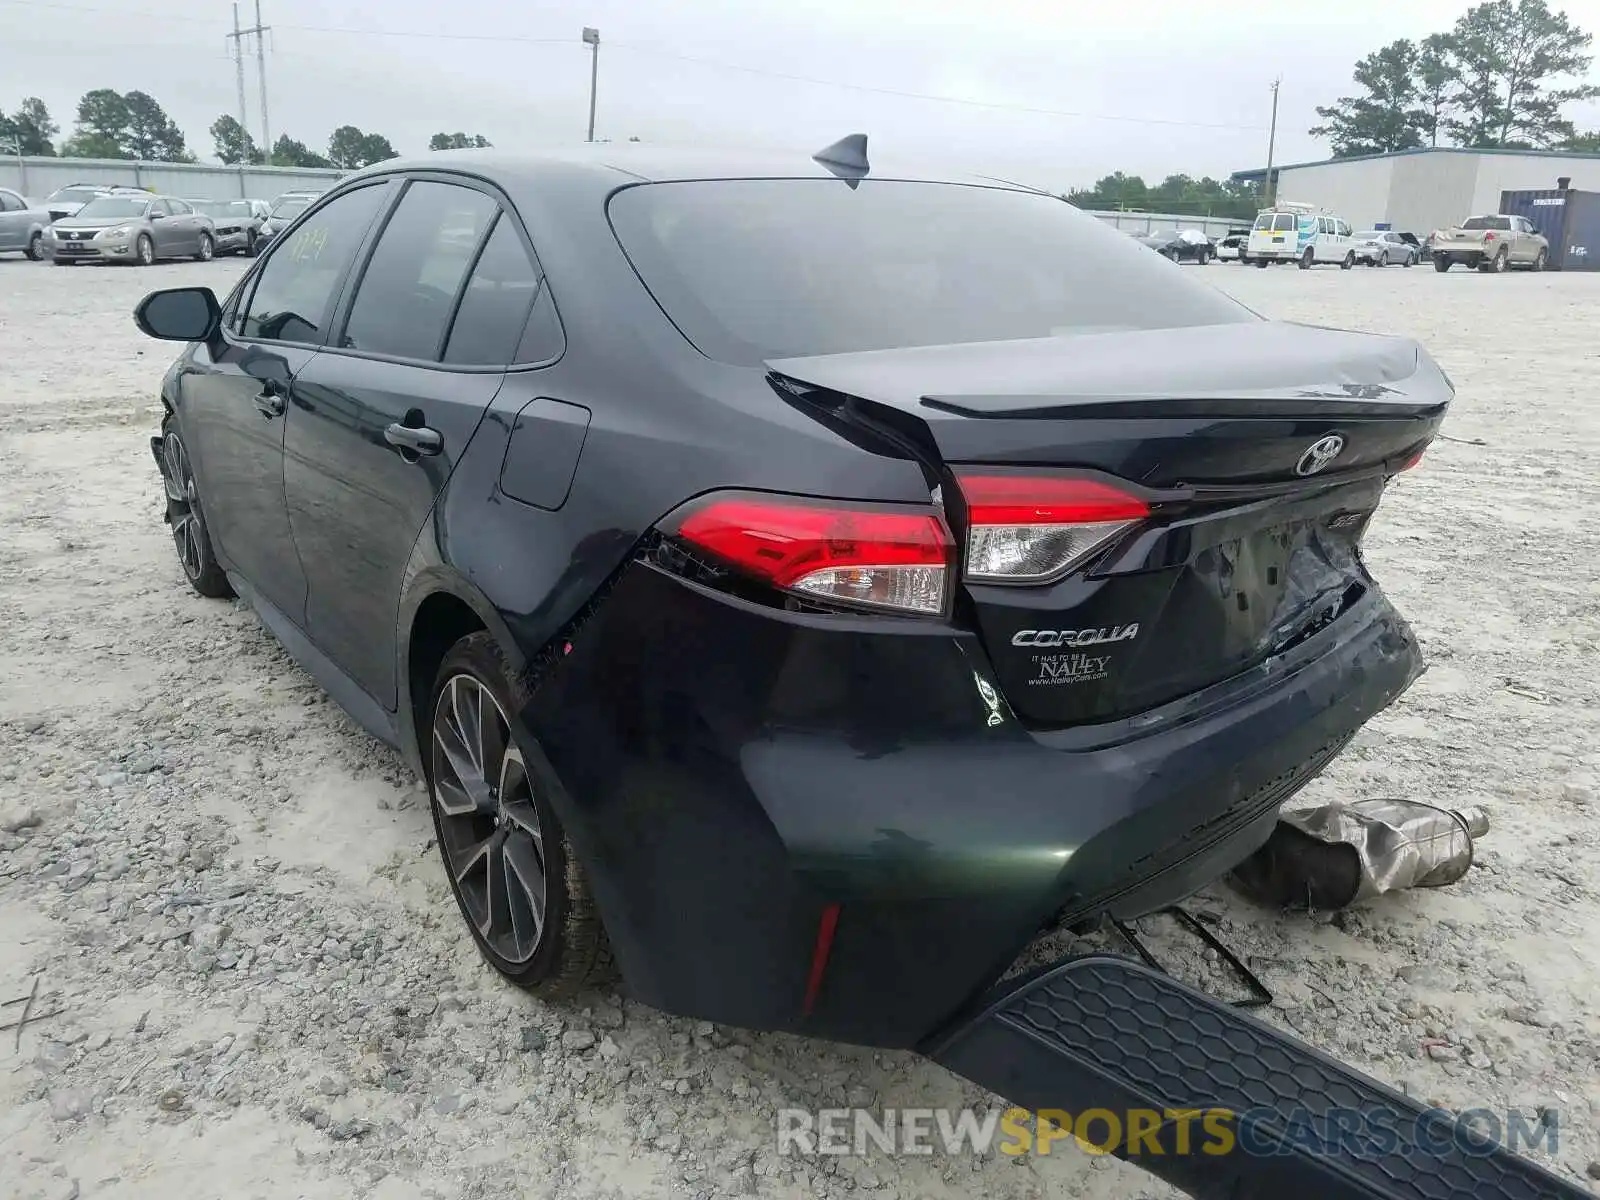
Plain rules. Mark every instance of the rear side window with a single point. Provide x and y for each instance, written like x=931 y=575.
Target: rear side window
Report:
x=403 y=304
x=753 y=269
x=10 y=202
x=296 y=286
x=495 y=306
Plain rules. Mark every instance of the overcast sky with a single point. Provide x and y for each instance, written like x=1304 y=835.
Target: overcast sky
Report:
x=1187 y=84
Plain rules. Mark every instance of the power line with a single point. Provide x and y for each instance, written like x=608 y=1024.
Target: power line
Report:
x=649 y=49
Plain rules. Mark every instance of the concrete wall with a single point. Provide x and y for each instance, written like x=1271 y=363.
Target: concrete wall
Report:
x=1140 y=222
x=1523 y=172
x=38 y=177
x=1431 y=191
x=1358 y=190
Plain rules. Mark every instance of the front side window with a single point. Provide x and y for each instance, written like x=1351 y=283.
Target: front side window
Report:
x=179 y=208
x=751 y=269
x=298 y=280
x=494 y=308
x=409 y=288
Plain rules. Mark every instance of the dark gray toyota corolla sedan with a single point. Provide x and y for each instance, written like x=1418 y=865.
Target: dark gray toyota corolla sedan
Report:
x=811 y=581
x=819 y=581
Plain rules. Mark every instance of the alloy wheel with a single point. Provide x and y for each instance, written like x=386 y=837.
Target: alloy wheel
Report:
x=488 y=823
x=147 y=251
x=206 y=248
x=182 y=507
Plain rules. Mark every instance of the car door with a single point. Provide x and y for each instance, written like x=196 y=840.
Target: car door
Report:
x=1526 y=248
x=383 y=414
x=163 y=230
x=234 y=393
x=186 y=226
x=13 y=221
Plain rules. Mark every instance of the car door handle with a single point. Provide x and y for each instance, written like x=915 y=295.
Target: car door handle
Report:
x=269 y=401
x=418 y=441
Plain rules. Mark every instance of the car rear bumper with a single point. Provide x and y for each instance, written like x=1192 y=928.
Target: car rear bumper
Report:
x=837 y=826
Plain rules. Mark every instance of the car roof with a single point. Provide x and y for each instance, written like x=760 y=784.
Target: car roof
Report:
x=611 y=165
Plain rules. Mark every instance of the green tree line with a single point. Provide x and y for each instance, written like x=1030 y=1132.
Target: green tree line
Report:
x=1500 y=78
x=1178 y=194
x=133 y=125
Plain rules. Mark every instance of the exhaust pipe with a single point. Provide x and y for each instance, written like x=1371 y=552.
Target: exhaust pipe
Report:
x=1216 y=1102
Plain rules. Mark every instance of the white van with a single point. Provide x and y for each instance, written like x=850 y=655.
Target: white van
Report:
x=1301 y=234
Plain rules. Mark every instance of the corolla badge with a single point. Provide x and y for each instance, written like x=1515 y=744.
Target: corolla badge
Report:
x=1319 y=454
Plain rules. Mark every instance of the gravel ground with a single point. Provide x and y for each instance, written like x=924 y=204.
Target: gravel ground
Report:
x=253 y=984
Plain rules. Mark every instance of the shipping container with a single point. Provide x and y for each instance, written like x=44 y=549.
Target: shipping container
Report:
x=1570 y=219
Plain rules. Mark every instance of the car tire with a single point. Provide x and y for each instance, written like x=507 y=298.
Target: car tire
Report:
x=189 y=533
x=63 y=262
x=1306 y=259
x=35 y=250
x=493 y=837
x=1441 y=265
x=1538 y=261
x=1409 y=260
x=145 y=251
x=1349 y=261
x=1495 y=265
x=208 y=249
x=250 y=250
x=1261 y=262
x=1202 y=258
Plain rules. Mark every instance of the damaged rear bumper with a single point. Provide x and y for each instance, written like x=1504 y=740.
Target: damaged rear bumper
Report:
x=1215 y=1101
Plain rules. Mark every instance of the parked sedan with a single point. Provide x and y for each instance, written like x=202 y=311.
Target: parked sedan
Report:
x=237 y=223
x=133 y=228
x=1383 y=247
x=791 y=631
x=22 y=225
x=1188 y=245
x=287 y=207
x=67 y=201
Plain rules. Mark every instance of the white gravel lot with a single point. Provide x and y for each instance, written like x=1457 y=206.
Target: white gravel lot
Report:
x=252 y=981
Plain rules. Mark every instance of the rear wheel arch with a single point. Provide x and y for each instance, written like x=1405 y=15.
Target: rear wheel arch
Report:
x=438 y=619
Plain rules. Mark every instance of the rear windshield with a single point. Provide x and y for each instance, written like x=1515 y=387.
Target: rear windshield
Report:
x=222 y=208
x=290 y=209
x=1487 y=223
x=752 y=269
x=1278 y=222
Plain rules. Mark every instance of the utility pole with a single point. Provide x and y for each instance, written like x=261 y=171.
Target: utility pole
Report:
x=591 y=38
x=1272 y=140
x=238 y=72
x=237 y=38
x=261 y=69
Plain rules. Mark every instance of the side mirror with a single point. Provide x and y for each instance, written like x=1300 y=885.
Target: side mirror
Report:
x=187 y=314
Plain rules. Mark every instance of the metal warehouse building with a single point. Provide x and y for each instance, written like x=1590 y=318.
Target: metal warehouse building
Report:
x=1422 y=190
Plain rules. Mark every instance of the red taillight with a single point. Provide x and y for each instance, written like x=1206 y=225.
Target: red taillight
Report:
x=1412 y=459
x=878 y=555
x=1489 y=236
x=1032 y=528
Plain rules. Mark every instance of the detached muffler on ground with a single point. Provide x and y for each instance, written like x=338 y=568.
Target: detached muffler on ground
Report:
x=1334 y=855
x=1215 y=1101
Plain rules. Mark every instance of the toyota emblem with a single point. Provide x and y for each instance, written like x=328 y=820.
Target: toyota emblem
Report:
x=1319 y=454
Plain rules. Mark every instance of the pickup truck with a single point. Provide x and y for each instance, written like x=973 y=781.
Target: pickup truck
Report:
x=1491 y=244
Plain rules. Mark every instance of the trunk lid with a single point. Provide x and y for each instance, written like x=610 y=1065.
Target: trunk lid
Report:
x=1252 y=540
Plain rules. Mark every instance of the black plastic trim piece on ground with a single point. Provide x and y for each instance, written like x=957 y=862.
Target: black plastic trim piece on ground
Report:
x=1102 y=1032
